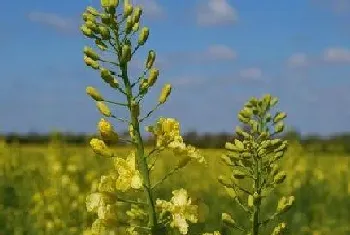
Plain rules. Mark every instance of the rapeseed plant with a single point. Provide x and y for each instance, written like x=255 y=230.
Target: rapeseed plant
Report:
x=114 y=31
x=253 y=160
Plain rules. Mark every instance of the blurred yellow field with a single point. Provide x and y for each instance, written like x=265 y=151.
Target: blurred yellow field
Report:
x=44 y=189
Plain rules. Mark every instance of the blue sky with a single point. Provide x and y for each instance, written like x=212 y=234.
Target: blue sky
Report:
x=216 y=53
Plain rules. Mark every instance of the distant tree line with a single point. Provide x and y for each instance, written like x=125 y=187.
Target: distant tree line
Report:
x=336 y=143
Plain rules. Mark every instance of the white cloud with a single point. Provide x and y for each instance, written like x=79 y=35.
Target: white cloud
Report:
x=53 y=20
x=220 y=52
x=337 y=54
x=216 y=12
x=251 y=73
x=297 y=60
x=151 y=8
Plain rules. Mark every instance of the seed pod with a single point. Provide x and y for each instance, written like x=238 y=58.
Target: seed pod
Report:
x=109 y=3
x=92 y=11
x=153 y=76
x=126 y=54
x=279 y=116
x=93 y=92
x=165 y=93
x=143 y=36
x=150 y=59
x=103 y=108
x=89 y=52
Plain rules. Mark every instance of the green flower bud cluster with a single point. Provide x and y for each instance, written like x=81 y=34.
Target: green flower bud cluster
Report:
x=253 y=156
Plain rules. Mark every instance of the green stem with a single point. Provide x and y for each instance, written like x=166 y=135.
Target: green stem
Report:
x=141 y=160
x=257 y=188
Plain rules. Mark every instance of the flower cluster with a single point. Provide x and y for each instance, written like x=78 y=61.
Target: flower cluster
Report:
x=181 y=210
x=167 y=135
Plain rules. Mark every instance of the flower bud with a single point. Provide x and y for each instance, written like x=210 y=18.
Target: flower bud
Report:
x=246 y=112
x=143 y=36
x=232 y=147
x=284 y=204
x=237 y=174
x=250 y=201
x=100 y=44
x=279 y=127
x=126 y=53
x=100 y=148
x=135 y=27
x=90 y=62
x=239 y=144
x=92 y=11
x=107 y=131
x=243 y=119
x=279 y=229
x=280 y=177
x=137 y=14
x=104 y=31
x=114 y=83
x=109 y=3
x=88 y=17
x=89 y=52
x=153 y=76
x=128 y=25
x=103 y=108
x=279 y=116
x=87 y=31
x=128 y=8
x=165 y=93
x=227 y=220
x=184 y=161
x=105 y=18
x=106 y=75
x=150 y=59
x=93 y=92
x=273 y=101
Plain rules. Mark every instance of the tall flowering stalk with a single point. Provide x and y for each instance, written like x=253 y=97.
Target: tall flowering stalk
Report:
x=254 y=162
x=113 y=32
